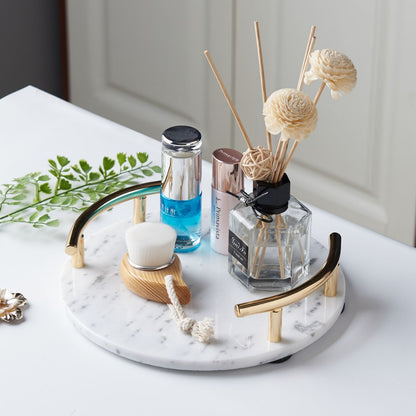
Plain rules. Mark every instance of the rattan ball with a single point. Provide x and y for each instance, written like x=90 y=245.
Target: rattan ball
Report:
x=257 y=163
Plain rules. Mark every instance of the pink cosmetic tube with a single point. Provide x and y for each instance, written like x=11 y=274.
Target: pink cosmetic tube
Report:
x=227 y=176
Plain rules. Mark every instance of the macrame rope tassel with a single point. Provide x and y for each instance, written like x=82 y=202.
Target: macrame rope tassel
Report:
x=202 y=331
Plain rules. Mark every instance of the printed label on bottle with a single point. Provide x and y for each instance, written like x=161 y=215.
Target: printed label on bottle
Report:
x=238 y=249
x=221 y=205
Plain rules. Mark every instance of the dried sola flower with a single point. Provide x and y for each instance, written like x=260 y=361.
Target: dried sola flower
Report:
x=257 y=163
x=290 y=112
x=335 y=69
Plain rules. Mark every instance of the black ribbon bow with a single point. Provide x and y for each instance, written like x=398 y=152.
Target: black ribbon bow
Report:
x=250 y=201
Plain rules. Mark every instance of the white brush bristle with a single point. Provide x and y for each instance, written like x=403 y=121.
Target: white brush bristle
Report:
x=150 y=244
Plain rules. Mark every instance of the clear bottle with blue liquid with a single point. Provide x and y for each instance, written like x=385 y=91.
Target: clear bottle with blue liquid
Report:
x=180 y=196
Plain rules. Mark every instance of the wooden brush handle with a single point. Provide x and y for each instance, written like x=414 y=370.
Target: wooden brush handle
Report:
x=151 y=284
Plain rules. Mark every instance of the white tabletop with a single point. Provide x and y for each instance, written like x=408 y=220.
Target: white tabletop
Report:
x=364 y=364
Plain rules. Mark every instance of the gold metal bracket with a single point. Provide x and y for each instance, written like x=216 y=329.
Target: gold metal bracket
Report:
x=327 y=277
x=75 y=242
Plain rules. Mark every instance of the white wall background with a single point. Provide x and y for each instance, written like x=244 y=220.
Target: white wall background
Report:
x=141 y=64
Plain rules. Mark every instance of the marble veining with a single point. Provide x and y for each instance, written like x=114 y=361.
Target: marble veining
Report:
x=111 y=316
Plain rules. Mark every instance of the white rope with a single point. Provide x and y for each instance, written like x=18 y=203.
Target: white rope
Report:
x=202 y=331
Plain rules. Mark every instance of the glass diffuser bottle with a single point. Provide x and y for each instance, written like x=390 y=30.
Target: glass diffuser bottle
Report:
x=269 y=238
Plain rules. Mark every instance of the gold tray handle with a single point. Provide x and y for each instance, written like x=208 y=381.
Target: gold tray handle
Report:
x=327 y=276
x=75 y=242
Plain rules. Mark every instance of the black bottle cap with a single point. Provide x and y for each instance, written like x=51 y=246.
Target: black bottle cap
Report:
x=275 y=196
x=181 y=135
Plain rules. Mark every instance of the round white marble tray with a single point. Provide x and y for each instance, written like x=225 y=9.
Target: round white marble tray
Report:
x=111 y=316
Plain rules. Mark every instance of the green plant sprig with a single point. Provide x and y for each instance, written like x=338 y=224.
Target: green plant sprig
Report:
x=69 y=187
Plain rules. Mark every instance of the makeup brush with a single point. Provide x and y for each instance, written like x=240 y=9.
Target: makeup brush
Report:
x=150 y=258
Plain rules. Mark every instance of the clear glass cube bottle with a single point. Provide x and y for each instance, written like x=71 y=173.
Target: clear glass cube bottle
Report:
x=269 y=255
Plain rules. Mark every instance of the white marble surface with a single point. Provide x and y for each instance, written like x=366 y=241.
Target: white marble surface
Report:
x=365 y=364
x=111 y=316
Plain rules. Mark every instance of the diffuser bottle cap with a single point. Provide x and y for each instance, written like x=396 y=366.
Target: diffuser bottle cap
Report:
x=274 y=197
x=150 y=244
x=227 y=175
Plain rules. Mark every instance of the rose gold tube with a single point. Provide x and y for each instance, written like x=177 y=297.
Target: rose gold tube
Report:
x=226 y=177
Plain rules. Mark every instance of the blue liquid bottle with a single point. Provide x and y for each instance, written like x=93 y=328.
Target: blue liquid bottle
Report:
x=180 y=197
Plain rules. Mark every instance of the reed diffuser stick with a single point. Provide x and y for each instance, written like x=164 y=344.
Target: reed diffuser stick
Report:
x=282 y=155
x=289 y=156
x=263 y=251
x=262 y=79
x=259 y=240
x=306 y=63
x=318 y=94
x=276 y=158
x=279 y=246
x=227 y=97
x=309 y=46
